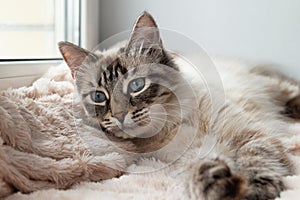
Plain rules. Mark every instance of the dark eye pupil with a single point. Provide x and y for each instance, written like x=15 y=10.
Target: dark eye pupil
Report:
x=98 y=97
x=137 y=85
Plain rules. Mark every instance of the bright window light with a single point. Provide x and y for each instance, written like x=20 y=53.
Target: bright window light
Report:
x=31 y=29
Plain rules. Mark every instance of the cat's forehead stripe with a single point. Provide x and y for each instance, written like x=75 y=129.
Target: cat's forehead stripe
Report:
x=104 y=77
x=112 y=71
x=116 y=71
x=99 y=82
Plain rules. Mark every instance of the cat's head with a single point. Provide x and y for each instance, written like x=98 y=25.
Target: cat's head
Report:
x=120 y=88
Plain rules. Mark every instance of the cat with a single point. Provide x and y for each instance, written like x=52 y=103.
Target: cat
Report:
x=118 y=89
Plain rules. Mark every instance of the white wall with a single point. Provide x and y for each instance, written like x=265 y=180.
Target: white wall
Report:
x=259 y=30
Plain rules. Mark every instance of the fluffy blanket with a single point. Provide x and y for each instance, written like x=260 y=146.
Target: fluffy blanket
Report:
x=41 y=153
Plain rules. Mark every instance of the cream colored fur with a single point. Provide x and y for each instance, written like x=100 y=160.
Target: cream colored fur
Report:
x=39 y=143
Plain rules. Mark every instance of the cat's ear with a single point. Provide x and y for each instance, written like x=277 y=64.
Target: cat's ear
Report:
x=74 y=55
x=145 y=35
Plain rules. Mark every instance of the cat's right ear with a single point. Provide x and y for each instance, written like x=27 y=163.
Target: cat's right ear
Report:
x=74 y=55
x=145 y=35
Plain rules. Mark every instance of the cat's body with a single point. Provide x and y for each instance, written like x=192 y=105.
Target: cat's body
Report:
x=237 y=139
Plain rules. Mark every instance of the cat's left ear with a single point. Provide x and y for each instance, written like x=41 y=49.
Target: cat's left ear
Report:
x=145 y=35
x=74 y=55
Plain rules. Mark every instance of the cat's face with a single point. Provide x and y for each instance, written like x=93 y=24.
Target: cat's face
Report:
x=128 y=91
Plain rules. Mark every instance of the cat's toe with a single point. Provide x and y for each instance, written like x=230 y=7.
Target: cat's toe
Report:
x=292 y=107
x=212 y=180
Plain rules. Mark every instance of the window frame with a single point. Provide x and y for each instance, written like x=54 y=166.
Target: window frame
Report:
x=22 y=72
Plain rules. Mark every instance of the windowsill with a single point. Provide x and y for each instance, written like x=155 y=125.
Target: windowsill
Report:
x=23 y=73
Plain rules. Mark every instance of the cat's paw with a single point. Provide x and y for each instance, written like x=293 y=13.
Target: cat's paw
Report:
x=213 y=180
x=292 y=107
x=264 y=187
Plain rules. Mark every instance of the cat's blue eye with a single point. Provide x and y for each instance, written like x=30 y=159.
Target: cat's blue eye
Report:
x=98 y=96
x=137 y=85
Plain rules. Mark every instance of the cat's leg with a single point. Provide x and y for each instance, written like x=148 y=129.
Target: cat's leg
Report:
x=264 y=163
x=283 y=89
x=254 y=174
x=214 y=180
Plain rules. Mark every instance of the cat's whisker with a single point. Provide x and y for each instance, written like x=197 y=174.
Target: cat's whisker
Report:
x=153 y=125
x=179 y=105
x=139 y=115
x=156 y=126
x=178 y=108
x=177 y=118
x=147 y=118
x=144 y=119
x=167 y=114
x=160 y=120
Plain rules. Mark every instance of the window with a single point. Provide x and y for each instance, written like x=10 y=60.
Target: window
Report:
x=31 y=29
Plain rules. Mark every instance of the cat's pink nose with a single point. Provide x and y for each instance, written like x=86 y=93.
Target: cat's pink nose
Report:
x=120 y=116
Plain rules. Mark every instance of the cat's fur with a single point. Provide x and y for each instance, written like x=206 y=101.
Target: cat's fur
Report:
x=248 y=160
